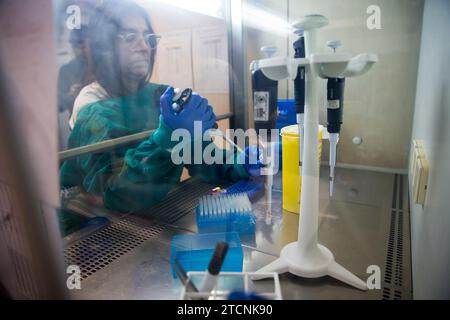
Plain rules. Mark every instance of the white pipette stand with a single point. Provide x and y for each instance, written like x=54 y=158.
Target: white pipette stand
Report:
x=306 y=257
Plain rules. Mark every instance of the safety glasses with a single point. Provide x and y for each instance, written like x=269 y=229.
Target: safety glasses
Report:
x=132 y=38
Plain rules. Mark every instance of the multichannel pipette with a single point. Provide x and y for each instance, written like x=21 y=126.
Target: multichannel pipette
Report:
x=218 y=132
x=181 y=97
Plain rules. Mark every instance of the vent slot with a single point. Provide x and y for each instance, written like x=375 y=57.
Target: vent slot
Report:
x=394 y=282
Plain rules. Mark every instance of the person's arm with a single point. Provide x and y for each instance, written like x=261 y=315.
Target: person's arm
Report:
x=89 y=94
x=68 y=87
x=147 y=175
x=197 y=110
x=128 y=180
x=228 y=168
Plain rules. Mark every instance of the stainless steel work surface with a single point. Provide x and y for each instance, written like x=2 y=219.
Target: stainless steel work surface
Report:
x=365 y=223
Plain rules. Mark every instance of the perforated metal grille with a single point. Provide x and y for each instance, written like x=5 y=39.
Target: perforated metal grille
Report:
x=395 y=266
x=104 y=247
x=180 y=201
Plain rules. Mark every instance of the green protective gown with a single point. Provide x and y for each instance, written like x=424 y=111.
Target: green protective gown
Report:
x=135 y=176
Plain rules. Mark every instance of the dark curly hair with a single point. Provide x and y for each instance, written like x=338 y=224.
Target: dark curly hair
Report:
x=104 y=26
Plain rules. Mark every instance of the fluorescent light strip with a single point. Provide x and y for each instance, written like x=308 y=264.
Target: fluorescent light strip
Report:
x=264 y=20
x=211 y=8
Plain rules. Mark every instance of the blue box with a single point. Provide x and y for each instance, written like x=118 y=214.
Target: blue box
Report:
x=194 y=251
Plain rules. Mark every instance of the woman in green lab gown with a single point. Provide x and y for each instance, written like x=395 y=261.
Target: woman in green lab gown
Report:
x=122 y=102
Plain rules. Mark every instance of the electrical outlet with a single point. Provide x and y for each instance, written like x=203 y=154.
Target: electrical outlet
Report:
x=419 y=172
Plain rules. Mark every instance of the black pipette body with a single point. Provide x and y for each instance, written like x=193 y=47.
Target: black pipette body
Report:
x=335 y=104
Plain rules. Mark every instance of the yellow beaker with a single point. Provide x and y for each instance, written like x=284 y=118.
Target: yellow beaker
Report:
x=290 y=169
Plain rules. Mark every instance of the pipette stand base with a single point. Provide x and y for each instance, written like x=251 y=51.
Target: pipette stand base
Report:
x=315 y=262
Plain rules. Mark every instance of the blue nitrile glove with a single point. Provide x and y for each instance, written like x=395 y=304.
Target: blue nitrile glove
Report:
x=196 y=109
x=251 y=159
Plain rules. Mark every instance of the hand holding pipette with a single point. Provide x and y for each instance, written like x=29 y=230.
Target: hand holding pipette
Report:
x=183 y=110
x=181 y=98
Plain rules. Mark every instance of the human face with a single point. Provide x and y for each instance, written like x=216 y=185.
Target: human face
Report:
x=134 y=57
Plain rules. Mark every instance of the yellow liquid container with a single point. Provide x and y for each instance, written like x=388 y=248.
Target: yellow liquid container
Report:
x=290 y=172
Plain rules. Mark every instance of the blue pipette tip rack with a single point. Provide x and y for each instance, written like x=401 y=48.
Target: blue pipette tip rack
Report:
x=254 y=188
x=225 y=213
